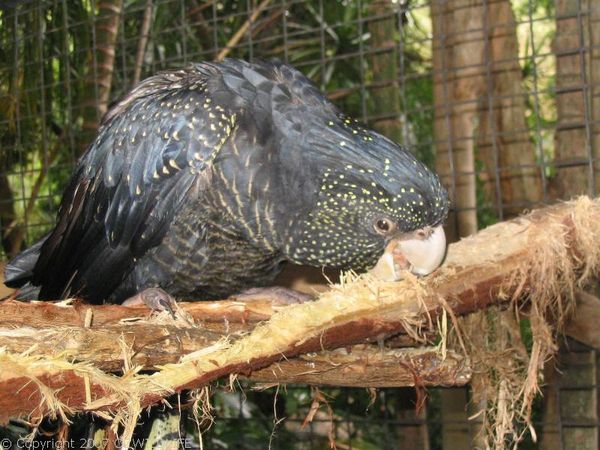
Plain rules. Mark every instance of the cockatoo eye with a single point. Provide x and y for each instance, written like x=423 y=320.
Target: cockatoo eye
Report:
x=384 y=226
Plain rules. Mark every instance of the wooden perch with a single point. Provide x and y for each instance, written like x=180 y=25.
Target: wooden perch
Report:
x=54 y=355
x=369 y=367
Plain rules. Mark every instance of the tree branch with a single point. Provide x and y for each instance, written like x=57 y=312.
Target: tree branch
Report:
x=98 y=78
x=367 y=366
x=141 y=48
x=242 y=30
x=47 y=347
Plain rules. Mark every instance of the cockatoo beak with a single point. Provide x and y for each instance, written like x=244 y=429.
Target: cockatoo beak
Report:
x=419 y=252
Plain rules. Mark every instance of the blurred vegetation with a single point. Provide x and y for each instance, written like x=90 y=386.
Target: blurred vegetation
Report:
x=47 y=51
x=365 y=419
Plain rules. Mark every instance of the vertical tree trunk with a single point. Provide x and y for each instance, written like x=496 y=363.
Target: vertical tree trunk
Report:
x=592 y=26
x=577 y=141
x=577 y=136
x=458 y=52
x=142 y=42
x=384 y=64
x=9 y=226
x=480 y=109
x=100 y=69
x=505 y=146
x=571 y=142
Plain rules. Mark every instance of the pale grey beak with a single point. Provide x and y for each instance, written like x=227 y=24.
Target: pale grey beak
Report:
x=419 y=252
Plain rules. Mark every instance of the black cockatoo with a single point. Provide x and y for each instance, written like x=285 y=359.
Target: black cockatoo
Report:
x=204 y=181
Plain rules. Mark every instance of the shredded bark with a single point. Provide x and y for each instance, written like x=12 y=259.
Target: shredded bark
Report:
x=533 y=265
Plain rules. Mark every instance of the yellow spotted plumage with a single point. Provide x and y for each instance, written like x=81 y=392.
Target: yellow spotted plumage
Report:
x=205 y=180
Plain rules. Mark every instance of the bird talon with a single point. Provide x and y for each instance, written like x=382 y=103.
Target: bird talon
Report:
x=154 y=298
x=167 y=307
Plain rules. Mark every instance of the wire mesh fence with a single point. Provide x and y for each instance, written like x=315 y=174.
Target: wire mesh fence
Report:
x=500 y=97
x=502 y=106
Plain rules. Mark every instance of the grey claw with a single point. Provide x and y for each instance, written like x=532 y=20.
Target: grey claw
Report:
x=154 y=298
x=158 y=300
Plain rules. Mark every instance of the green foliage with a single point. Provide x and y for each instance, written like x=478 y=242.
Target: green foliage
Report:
x=537 y=8
x=538 y=65
x=39 y=91
x=355 y=418
x=48 y=50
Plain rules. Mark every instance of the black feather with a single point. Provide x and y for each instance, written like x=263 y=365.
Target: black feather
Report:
x=204 y=180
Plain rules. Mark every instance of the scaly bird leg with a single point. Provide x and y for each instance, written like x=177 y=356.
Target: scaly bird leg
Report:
x=154 y=298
